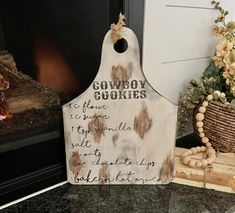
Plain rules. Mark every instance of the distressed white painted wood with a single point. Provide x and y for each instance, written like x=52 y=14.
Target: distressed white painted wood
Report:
x=120 y=131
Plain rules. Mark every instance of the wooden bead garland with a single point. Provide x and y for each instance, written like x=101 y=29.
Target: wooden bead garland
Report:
x=208 y=149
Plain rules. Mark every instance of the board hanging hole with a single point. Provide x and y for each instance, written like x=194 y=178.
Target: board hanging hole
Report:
x=121 y=45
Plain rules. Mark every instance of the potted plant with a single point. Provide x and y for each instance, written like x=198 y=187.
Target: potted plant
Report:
x=211 y=100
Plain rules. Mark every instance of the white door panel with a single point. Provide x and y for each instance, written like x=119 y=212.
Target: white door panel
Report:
x=181 y=30
x=230 y=6
x=173 y=73
x=190 y=3
x=177 y=43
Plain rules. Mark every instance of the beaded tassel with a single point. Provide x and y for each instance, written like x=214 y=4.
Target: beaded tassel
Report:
x=208 y=149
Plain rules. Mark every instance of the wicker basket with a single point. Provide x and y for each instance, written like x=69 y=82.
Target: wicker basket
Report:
x=219 y=126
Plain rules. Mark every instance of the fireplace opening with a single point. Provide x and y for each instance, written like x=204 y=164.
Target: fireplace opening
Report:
x=52 y=68
x=57 y=44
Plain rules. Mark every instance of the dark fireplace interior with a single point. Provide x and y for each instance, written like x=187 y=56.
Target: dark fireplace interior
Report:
x=57 y=43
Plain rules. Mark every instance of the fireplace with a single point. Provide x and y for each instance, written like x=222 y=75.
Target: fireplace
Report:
x=58 y=44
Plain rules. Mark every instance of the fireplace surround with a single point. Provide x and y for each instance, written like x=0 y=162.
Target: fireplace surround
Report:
x=58 y=44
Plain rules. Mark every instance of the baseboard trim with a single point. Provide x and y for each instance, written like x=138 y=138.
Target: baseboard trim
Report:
x=32 y=182
x=32 y=195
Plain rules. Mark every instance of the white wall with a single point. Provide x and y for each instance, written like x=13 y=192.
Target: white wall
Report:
x=178 y=42
x=230 y=6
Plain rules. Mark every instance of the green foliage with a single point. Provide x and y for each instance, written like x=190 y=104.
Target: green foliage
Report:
x=213 y=80
x=195 y=92
x=218 y=76
x=233 y=102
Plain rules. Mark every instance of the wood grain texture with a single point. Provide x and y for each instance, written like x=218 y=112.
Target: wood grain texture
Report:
x=220 y=176
x=123 y=130
x=24 y=93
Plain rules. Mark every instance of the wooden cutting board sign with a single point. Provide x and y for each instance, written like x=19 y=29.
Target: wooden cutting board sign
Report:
x=120 y=131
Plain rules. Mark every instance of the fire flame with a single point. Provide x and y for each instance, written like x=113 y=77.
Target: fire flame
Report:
x=4 y=113
x=53 y=70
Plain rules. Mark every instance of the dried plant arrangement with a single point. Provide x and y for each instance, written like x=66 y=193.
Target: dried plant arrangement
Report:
x=211 y=101
x=218 y=76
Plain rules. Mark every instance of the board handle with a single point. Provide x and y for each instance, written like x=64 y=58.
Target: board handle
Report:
x=131 y=53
